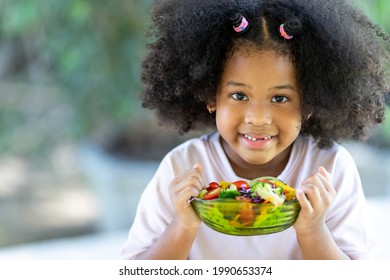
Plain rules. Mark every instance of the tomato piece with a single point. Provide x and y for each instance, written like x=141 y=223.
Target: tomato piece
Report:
x=212 y=185
x=212 y=194
x=241 y=184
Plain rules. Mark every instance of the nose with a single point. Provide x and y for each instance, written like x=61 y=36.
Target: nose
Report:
x=258 y=114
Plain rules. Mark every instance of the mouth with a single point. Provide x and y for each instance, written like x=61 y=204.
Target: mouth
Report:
x=254 y=139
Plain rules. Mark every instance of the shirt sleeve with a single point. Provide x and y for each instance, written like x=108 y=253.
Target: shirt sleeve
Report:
x=154 y=213
x=348 y=222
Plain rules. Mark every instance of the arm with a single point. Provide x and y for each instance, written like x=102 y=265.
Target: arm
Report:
x=176 y=241
x=174 y=244
x=314 y=238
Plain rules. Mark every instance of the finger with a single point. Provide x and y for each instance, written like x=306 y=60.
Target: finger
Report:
x=198 y=168
x=322 y=170
x=303 y=200
x=317 y=195
x=183 y=182
x=321 y=182
x=313 y=189
x=187 y=194
x=326 y=179
x=312 y=193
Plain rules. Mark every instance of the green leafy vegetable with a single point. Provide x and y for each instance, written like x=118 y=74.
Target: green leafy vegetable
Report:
x=229 y=193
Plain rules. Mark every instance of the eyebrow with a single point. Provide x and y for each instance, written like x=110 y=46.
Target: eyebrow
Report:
x=234 y=83
x=284 y=87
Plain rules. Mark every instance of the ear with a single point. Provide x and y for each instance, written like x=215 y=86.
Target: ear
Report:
x=211 y=107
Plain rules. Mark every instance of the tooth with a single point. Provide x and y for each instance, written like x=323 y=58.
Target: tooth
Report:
x=255 y=139
x=250 y=138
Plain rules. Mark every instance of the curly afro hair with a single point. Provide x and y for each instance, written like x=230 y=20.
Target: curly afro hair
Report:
x=339 y=55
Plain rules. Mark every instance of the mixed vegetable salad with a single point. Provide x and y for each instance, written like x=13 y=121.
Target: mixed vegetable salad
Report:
x=261 y=190
x=272 y=206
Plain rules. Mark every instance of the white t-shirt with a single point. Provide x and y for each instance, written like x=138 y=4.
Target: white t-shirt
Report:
x=345 y=219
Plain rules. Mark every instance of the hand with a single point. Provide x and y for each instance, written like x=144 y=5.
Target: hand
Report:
x=181 y=189
x=315 y=197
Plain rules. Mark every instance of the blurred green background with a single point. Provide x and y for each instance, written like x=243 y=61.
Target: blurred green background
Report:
x=70 y=70
x=70 y=75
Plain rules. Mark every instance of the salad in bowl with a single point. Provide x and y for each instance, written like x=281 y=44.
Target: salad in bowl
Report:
x=261 y=206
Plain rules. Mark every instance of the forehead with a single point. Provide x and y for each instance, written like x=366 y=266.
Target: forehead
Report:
x=259 y=66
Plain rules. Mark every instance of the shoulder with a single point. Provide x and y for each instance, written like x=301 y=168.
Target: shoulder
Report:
x=307 y=146
x=196 y=145
x=199 y=149
x=306 y=157
x=338 y=162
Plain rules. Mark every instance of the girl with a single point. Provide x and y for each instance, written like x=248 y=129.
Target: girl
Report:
x=282 y=81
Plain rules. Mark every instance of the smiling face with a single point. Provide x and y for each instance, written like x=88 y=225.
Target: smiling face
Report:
x=258 y=112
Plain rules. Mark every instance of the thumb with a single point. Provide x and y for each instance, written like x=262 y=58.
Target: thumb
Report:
x=199 y=168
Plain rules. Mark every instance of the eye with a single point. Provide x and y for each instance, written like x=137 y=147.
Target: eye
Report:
x=239 y=96
x=279 y=99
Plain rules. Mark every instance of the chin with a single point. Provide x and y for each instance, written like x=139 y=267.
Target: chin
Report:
x=256 y=161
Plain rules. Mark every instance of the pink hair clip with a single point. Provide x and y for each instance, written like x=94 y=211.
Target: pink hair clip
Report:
x=283 y=33
x=240 y=24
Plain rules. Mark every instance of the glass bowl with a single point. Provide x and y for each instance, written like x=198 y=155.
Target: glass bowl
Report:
x=243 y=218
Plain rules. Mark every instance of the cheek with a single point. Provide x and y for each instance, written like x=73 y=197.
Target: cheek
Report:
x=226 y=119
x=222 y=119
x=295 y=127
x=290 y=123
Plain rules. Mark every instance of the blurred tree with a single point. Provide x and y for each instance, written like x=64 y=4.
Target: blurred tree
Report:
x=90 y=49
